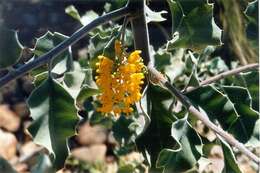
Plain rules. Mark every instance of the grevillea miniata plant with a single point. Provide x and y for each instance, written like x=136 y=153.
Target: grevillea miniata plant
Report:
x=166 y=97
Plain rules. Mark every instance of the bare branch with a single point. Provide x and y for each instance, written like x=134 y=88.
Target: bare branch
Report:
x=64 y=45
x=225 y=74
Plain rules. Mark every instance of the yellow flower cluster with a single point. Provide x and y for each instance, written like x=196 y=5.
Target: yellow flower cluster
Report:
x=120 y=81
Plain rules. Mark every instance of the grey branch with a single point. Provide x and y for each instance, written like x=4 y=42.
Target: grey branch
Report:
x=82 y=32
x=225 y=74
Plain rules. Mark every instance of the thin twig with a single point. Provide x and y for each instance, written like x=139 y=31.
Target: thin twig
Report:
x=225 y=74
x=228 y=73
x=64 y=45
x=185 y=101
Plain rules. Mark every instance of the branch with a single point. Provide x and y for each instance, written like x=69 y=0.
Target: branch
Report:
x=225 y=74
x=185 y=101
x=140 y=29
x=64 y=45
x=141 y=41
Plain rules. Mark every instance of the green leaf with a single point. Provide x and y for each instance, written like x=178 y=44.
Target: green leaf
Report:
x=143 y=119
x=193 y=79
x=73 y=12
x=243 y=128
x=54 y=119
x=230 y=163
x=73 y=80
x=152 y=16
x=177 y=14
x=109 y=49
x=5 y=166
x=102 y=43
x=10 y=48
x=252 y=17
x=252 y=83
x=172 y=65
x=114 y=5
x=158 y=134
x=216 y=65
x=85 y=92
x=215 y=104
x=187 y=152
x=162 y=58
x=188 y=5
x=197 y=30
x=43 y=165
x=232 y=109
x=180 y=8
x=39 y=78
x=97 y=118
x=88 y=17
x=254 y=140
x=96 y=46
x=61 y=63
x=191 y=64
x=122 y=131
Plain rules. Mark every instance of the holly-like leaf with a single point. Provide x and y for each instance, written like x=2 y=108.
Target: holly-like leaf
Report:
x=162 y=58
x=61 y=63
x=73 y=12
x=122 y=131
x=54 y=119
x=187 y=152
x=176 y=12
x=193 y=79
x=233 y=113
x=216 y=66
x=143 y=119
x=39 y=78
x=180 y=8
x=152 y=16
x=88 y=17
x=243 y=128
x=197 y=30
x=250 y=81
x=98 y=42
x=217 y=105
x=188 y=5
x=10 y=48
x=252 y=17
x=252 y=84
x=230 y=162
x=86 y=92
x=74 y=79
x=158 y=134
x=254 y=140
